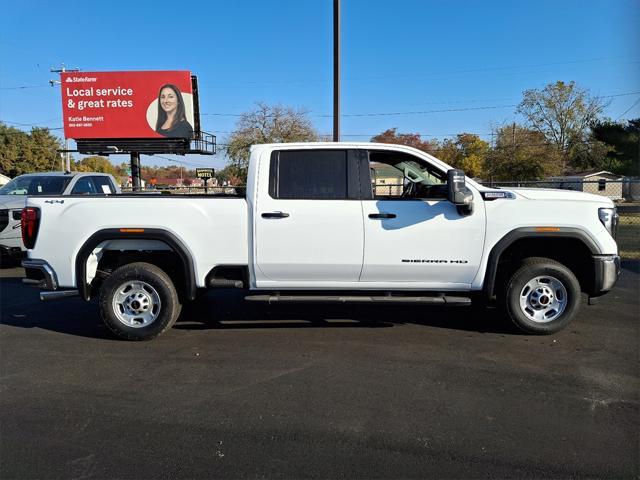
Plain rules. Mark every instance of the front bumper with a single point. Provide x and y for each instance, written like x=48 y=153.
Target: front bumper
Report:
x=607 y=271
x=39 y=274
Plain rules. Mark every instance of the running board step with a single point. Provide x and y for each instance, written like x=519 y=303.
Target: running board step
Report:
x=443 y=300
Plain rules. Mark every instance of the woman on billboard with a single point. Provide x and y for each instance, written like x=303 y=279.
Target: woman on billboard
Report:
x=172 y=119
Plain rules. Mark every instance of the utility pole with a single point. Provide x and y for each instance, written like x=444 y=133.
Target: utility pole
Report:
x=63 y=69
x=336 y=70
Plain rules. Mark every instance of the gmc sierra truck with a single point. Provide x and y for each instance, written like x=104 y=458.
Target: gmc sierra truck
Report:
x=328 y=222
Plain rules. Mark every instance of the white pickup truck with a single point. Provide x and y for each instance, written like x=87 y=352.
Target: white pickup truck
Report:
x=328 y=222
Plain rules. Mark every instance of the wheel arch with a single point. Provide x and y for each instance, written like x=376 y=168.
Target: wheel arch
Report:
x=520 y=241
x=164 y=236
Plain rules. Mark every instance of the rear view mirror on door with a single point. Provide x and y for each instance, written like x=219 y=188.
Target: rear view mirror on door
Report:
x=458 y=193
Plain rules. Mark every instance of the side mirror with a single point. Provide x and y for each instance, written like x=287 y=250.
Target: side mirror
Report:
x=458 y=193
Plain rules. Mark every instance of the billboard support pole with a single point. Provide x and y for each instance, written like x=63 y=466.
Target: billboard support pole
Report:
x=135 y=171
x=67 y=162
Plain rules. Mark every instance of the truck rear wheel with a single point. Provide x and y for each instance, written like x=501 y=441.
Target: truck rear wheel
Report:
x=542 y=296
x=138 y=301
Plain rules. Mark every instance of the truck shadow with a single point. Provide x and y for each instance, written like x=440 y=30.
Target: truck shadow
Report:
x=21 y=307
x=228 y=310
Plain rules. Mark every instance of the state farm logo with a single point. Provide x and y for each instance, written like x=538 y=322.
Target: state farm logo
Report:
x=80 y=79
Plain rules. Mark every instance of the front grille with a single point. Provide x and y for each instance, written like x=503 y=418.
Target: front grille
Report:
x=4 y=219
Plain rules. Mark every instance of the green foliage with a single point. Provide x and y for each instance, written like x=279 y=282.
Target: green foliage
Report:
x=95 y=163
x=267 y=124
x=25 y=152
x=391 y=135
x=154 y=171
x=563 y=113
x=467 y=151
x=522 y=154
x=621 y=141
x=231 y=174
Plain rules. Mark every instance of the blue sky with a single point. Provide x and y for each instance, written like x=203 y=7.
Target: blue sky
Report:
x=399 y=56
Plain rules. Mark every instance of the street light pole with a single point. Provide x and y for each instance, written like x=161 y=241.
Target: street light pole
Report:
x=63 y=69
x=336 y=70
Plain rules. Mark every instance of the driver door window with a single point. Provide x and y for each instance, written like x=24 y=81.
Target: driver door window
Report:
x=399 y=176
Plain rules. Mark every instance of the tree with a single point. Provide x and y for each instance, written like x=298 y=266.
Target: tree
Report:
x=563 y=113
x=25 y=152
x=622 y=143
x=467 y=151
x=414 y=140
x=230 y=174
x=522 y=154
x=267 y=124
x=96 y=163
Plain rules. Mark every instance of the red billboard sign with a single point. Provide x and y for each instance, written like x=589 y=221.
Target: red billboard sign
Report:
x=156 y=104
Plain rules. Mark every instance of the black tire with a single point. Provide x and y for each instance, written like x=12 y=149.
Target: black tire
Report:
x=538 y=302
x=149 y=280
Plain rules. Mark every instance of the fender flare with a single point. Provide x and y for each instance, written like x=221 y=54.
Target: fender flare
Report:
x=139 y=234
x=529 y=232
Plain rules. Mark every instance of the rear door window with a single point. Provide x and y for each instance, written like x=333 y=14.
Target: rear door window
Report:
x=84 y=186
x=311 y=175
x=103 y=185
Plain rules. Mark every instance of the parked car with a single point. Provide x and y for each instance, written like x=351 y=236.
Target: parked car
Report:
x=13 y=196
x=317 y=226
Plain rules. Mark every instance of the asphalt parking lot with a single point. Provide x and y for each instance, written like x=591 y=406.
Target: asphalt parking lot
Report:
x=248 y=391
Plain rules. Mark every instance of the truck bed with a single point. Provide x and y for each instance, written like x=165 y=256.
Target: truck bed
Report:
x=204 y=223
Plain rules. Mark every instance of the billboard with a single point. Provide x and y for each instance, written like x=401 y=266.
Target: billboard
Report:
x=152 y=104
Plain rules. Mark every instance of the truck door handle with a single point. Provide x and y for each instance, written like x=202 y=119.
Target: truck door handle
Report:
x=382 y=215
x=275 y=215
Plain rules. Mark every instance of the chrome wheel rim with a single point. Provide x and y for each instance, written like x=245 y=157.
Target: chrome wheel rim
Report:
x=543 y=299
x=136 y=304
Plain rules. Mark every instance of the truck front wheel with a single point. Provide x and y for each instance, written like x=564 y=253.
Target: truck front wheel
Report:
x=542 y=296
x=138 y=301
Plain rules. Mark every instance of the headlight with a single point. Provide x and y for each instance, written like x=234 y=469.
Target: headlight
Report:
x=609 y=218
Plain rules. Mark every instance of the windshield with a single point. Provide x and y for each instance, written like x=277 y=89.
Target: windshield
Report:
x=36 y=185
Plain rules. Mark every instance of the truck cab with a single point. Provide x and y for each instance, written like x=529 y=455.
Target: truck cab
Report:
x=361 y=218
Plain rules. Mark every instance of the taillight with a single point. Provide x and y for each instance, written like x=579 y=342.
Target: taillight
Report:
x=30 y=221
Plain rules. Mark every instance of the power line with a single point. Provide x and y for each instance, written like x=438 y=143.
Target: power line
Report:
x=23 y=87
x=363 y=135
x=377 y=114
x=180 y=161
x=386 y=114
x=629 y=109
x=36 y=125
